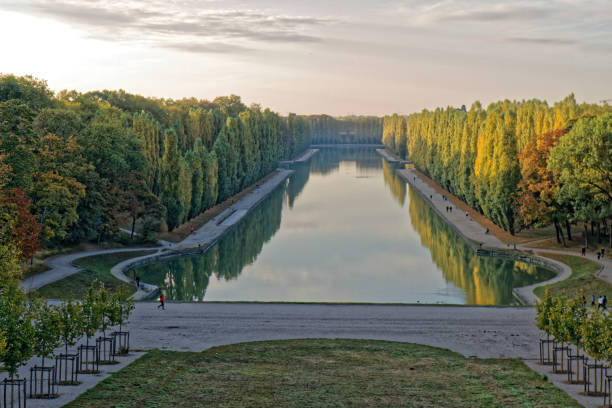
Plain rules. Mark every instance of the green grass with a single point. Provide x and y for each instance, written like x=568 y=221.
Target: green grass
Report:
x=582 y=277
x=94 y=267
x=323 y=373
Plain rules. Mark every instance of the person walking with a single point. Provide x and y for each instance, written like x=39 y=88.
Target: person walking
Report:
x=593 y=301
x=191 y=229
x=138 y=282
x=583 y=251
x=600 y=302
x=161 y=302
x=605 y=302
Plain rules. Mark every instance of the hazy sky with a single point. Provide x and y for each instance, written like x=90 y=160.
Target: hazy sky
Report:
x=333 y=56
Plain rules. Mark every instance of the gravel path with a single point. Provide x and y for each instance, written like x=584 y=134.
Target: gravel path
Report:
x=471 y=331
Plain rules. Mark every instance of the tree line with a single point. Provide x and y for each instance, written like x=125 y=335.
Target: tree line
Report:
x=73 y=165
x=522 y=164
x=326 y=129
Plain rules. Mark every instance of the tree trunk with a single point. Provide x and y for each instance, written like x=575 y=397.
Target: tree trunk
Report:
x=561 y=235
x=592 y=227
x=133 y=226
x=610 y=234
x=599 y=232
x=568 y=229
x=586 y=235
x=557 y=231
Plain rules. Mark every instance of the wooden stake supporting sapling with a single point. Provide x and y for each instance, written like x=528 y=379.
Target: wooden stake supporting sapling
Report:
x=108 y=306
x=573 y=316
x=596 y=337
x=558 y=330
x=92 y=320
x=544 y=310
x=16 y=321
x=123 y=307
x=47 y=339
x=71 y=329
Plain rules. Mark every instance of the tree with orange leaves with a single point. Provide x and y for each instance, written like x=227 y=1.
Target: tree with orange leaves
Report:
x=26 y=228
x=537 y=191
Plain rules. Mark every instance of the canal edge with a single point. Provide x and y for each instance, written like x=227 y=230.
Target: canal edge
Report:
x=151 y=291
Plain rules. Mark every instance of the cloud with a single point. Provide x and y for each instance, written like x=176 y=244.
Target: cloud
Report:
x=188 y=26
x=208 y=48
x=538 y=22
x=498 y=13
x=544 y=41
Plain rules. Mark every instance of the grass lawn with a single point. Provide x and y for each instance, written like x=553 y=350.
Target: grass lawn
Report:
x=94 y=267
x=323 y=373
x=582 y=277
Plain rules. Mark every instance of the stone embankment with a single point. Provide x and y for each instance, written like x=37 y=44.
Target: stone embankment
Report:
x=390 y=157
x=303 y=158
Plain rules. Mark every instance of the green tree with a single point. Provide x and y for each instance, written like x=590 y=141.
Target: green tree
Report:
x=71 y=322
x=170 y=188
x=574 y=315
x=47 y=324
x=596 y=334
x=16 y=320
x=93 y=311
x=194 y=162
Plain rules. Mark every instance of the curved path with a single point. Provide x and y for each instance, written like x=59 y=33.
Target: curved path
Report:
x=62 y=266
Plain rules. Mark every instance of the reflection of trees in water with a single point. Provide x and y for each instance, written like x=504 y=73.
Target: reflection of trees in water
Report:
x=297 y=181
x=485 y=280
x=186 y=278
x=327 y=160
x=396 y=184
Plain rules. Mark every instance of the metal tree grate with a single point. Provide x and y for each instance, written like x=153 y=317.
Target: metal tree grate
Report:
x=13 y=393
x=559 y=352
x=43 y=382
x=545 y=351
x=104 y=347
x=121 y=343
x=67 y=369
x=88 y=360
x=594 y=375
x=575 y=365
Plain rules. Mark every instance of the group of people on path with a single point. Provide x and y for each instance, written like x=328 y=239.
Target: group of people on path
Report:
x=600 y=254
x=602 y=302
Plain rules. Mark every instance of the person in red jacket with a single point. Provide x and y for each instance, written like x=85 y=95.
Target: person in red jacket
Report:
x=161 y=301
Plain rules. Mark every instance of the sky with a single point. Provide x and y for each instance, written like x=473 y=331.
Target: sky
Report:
x=340 y=57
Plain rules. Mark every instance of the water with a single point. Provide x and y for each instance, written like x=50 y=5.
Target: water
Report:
x=343 y=228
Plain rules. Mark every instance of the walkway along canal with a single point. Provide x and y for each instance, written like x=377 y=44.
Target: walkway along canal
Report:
x=344 y=228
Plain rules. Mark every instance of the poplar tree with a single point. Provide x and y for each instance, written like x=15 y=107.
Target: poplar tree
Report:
x=169 y=180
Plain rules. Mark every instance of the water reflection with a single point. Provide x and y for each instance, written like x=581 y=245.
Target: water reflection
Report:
x=485 y=280
x=331 y=233
x=187 y=278
x=395 y=182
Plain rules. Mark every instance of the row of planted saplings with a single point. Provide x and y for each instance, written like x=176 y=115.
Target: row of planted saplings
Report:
x=578 y=343
x=29 y=326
